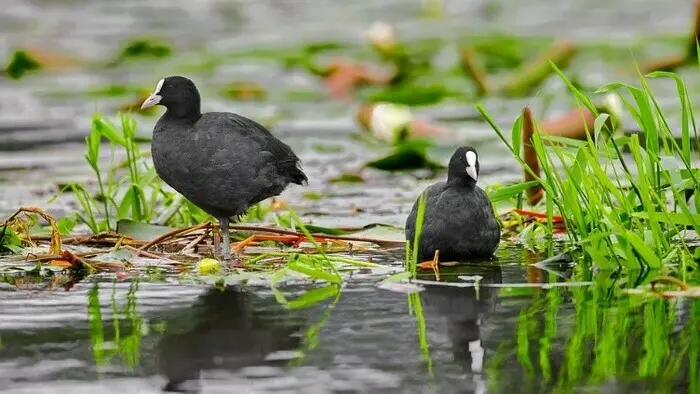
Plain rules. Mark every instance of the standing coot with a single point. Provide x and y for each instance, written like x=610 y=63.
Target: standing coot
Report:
x=459 y=219
x=222 y=162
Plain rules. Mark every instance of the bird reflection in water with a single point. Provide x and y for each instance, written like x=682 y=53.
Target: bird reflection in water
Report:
x=461 y=310
x=228 y=329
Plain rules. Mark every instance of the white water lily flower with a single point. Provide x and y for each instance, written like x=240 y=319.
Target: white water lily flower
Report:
x=613 y=106
x=382 y=36
x=388 y=120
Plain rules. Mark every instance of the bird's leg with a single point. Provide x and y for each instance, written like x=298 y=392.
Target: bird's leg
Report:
x=226 y=238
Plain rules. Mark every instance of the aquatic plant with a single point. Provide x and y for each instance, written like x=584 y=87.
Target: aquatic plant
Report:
x=624 y=199
x=139 y=195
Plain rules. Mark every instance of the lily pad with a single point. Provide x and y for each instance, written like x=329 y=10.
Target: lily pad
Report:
x=409 y=155
x=141 y=231
x=347 y=177
x=381 y=231
x=20 y=64
x=143 y=48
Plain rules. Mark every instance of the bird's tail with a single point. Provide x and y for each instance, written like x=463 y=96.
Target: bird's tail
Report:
x=298 y=175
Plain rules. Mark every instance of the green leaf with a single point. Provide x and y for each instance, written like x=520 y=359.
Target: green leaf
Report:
x=313 y=272
x=20 y=64
x=516 y=135
x=107 y=130
x=127 y=204
x=674 y=218
x=285 y=220
x=313 y=297
x=506 y=192
x=643 y=250
x=65 y=225
x=409 y=155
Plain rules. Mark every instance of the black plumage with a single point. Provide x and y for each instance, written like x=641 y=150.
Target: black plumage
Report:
x=220 y=161
x=459 y=218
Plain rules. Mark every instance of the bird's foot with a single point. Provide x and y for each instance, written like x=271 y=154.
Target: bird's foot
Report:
x=432 y=264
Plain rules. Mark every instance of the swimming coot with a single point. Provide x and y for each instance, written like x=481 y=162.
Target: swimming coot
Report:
x=459 y=219
x=220 y=161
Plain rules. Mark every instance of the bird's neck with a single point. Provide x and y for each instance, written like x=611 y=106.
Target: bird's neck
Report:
x=467 y=183
x=189 y=114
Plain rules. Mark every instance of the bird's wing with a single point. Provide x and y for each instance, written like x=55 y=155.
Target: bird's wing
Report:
x=244 y=139
x=253 y=131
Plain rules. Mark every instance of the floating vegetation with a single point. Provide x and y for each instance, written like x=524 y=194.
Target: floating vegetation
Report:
x=242 y=90
x=21 y=64
x=143 y=48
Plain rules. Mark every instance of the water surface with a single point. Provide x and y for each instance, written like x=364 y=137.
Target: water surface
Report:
x=105 y=335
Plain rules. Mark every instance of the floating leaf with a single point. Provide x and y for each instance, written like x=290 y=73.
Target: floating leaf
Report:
x=141 y=231
x=285 y=220
x=347 y=177
x=303 y=268
x=409 y=155
x=381 y=231
x=120 y=254
x=20 y=64
x=140 y=48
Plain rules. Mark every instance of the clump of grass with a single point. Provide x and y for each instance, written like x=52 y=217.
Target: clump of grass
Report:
x=137 y=195
x=621 y=209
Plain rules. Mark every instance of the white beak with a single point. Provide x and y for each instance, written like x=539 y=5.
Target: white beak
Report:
x=471 y=171
x=151 y=101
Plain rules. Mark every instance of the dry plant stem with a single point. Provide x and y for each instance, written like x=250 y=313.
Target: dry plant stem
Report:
x=180 y=231
x=112 y=239
x=149 y=255
x=695 y=35
x=195 y=241
x=532 y=73
x=473 y=69
x=534 y=193
x=380 y=242
x=55 y=246
x=49 y=257
x=669 y=63
x=261 y=237
x=572 y=125
x=364 y=115
x=668 y=280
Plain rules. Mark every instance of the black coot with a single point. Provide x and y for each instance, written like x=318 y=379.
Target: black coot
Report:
x=459 y=219
x=222 y=162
